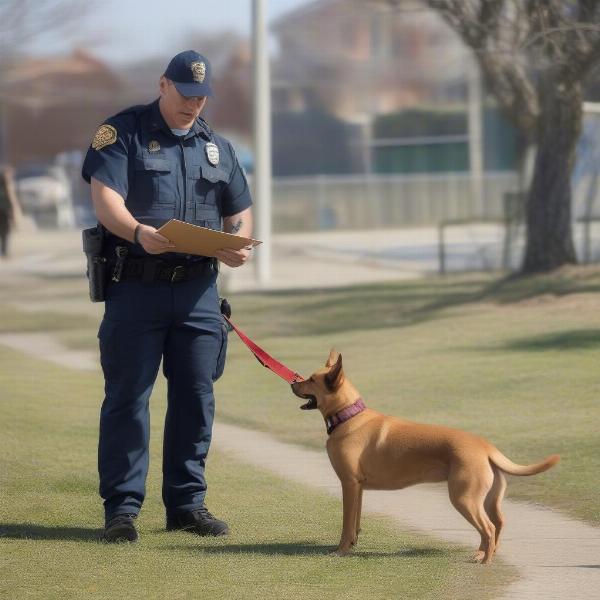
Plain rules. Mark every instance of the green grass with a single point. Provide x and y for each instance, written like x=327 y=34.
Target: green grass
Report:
x=515 y=361
x=281 y=532
x=29 y=304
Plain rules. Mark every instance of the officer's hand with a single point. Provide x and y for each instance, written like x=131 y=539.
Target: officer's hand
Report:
x=152 y=241
x=233 y=258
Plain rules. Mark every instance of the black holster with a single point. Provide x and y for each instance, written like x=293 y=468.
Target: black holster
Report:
x=93 y=242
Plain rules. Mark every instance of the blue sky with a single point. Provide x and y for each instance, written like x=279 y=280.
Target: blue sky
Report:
x=119 y=30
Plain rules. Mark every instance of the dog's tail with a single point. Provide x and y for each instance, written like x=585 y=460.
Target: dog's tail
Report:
x=508 y=466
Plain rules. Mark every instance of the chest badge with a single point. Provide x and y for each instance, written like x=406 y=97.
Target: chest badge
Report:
x=153 y=146
x=212 y=153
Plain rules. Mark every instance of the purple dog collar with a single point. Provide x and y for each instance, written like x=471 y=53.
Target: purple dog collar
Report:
x=344 y=415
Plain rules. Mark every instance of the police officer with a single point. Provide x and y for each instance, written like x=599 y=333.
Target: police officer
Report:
x=146 y=165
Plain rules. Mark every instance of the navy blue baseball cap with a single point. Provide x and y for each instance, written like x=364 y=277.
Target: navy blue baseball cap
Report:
x=190 y=72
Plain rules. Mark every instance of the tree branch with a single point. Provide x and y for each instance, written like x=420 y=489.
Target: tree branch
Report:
x=505 y=77
x=22 y=21
x=515 y=93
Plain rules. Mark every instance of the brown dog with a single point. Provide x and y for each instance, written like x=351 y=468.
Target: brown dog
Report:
x=369 y=450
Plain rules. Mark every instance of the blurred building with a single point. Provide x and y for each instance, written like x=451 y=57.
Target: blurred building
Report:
x=53 y=104
x=50 y=107
x=231 y=108
x=355 y=59
x=388 y=85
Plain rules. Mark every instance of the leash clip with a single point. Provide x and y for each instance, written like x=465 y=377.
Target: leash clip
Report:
x=225 y=308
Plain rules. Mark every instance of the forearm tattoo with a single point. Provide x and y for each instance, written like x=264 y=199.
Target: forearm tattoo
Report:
x=235 y=227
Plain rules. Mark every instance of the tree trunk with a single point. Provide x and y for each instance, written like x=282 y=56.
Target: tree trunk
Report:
x=549 y=234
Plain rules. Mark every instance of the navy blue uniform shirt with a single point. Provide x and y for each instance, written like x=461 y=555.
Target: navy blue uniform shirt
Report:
x=195 y=178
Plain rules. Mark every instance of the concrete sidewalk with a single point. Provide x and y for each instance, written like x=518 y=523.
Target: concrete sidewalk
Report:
x=299 y=260
x=304 y=260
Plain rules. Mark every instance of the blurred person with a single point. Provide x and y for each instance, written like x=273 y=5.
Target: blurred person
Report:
x=146 y=165
x=9 y=208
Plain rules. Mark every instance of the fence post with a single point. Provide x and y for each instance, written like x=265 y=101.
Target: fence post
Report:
x=441 y=248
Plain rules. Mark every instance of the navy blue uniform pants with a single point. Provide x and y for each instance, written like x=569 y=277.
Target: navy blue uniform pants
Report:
x=181 y=324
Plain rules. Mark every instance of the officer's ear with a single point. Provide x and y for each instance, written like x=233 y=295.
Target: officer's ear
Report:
x=163 y=83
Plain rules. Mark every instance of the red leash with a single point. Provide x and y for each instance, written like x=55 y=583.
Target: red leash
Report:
x=266 y=359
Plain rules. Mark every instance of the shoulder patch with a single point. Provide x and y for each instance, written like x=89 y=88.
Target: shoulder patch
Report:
x=105 y=136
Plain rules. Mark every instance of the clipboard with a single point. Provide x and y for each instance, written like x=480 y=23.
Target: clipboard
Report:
x=193 y=239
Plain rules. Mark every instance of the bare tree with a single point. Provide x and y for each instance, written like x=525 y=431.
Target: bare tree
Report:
x=25 y=21
x=535 y=56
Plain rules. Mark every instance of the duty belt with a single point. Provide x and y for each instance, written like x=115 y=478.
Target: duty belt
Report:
x=152 y=269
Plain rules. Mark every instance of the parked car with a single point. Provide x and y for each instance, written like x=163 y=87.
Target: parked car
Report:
x=44 y=192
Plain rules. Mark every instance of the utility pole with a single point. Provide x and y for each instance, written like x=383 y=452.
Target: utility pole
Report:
x=262 y=141
x=475 y=112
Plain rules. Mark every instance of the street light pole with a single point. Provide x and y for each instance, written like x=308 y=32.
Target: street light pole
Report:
x=475 y=120
x=262 y=141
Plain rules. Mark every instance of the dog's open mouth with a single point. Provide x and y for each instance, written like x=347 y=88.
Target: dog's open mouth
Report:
x=311 y=404
x=312 y=400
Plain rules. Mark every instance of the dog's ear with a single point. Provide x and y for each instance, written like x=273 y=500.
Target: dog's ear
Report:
x=335 y=377
x=333 y=356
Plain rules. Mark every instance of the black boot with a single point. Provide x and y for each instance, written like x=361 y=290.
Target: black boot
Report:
x=198 y=521
x=120 y=529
